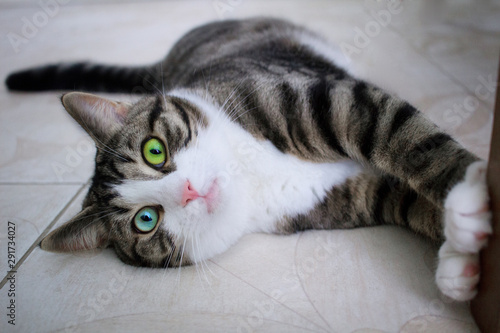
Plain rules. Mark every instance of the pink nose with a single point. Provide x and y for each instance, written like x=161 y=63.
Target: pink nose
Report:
x=188 y=193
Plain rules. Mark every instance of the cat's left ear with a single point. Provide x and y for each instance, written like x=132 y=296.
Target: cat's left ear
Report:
x=83 y=232
x=100 y=117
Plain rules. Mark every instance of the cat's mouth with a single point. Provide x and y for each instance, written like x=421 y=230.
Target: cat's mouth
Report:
x=211 y=197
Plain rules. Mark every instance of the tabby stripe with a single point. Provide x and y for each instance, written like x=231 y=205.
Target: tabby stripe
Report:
x=138 y=258
x=105 y=199
x=439 y=184
x=122 y=210
x=222 y=65
x=155 y=113
x=263 y=121
x=167 y=246
x=110 y=224
x=204 y=35
x=435 y=141
x=90 y=77
x=402 y=115
x=159 y=239
x=105 y=179
x=294 y=58
x=289 y=108
x=436 y=233
x=119 y=229
x=124 y=256
x=127 y=159
x=166 y=261
x=112 y=167
x=385 y=187
x=168 y=238
x=320 y=103
x=408 y=199
x=179 y=256
x=98 y=181
x=131 y=143
x=416 y=157
x=185 y=119
x=367 y=112
x=346 y=193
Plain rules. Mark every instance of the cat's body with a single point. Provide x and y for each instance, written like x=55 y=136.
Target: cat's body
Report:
x=257 y=129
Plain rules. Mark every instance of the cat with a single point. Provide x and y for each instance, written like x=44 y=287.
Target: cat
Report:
x=257 y=125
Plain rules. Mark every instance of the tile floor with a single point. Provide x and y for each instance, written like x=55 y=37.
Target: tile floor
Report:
x=442 y=57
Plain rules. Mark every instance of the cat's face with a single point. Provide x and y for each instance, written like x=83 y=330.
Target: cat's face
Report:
x=160 y=195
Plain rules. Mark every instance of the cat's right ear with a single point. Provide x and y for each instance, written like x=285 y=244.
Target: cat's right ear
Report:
x=83 y=232
x=100 y=117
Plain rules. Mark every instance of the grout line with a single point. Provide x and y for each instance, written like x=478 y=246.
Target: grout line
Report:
x=42 y=235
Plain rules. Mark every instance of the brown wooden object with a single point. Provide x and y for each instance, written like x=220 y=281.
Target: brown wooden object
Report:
x=486 y=306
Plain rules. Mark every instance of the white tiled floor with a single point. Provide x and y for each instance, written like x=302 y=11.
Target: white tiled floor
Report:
x=439 y=57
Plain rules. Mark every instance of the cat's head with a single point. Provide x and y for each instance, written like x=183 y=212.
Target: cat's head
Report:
x=159 y=195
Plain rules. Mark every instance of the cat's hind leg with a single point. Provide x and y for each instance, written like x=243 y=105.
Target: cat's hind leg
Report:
x=466 y=228
x=371 y=199
x=461 y=226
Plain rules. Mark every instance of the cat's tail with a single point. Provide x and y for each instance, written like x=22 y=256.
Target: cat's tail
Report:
x=84 y=76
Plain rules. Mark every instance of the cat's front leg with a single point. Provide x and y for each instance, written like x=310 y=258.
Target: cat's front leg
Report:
x=466 y=228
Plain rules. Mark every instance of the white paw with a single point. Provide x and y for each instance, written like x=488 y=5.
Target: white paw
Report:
x=467 y=213
x=467 y=227
x=457 y=274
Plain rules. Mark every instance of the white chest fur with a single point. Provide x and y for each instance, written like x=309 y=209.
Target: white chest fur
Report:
x=283 y=185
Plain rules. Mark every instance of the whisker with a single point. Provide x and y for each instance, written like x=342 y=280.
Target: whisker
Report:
x=154 y=85
x=235 y=89
x=244 y=113
x=205 y=80
x=180 y=261
x=163 y=84
x=234 y=110
x=112 y=153
x=196 y=266
x=203 y=262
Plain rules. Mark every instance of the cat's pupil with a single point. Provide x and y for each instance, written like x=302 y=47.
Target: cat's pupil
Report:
x=155 y=151
x=146 y=218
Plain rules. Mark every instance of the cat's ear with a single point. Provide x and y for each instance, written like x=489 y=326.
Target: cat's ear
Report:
x=100 y=117
x=81 y=233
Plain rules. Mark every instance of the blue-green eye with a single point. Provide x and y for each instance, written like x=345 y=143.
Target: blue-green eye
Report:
x=154 y=152
x=146 y=219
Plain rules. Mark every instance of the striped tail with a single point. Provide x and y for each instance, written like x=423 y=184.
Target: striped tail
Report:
x=85 y=76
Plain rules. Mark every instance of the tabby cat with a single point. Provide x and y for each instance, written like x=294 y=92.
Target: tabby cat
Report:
x=256 y=126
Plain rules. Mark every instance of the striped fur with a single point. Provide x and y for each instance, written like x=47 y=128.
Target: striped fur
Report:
x=263 y=83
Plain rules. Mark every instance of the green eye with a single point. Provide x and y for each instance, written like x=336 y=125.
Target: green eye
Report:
x=146 y=219
x=153 y=152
